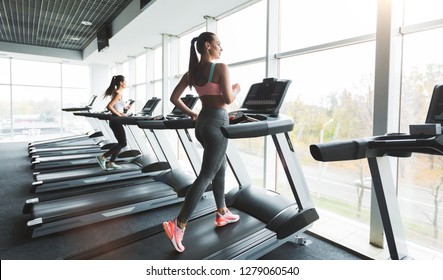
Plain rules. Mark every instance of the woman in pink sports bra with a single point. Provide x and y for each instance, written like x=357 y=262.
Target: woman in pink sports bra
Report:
x=212 y=83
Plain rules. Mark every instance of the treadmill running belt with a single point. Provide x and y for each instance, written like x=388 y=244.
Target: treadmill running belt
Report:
x=72 y=206
x=85 y=172
x=202 y=239
x=69 y=157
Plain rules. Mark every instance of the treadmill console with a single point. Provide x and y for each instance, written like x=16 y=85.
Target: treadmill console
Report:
x=189 y=100
x=86 y=108
x=174 y=119
x=259 y=114
x=266 y=97
x=435 y=112
x=149 y=107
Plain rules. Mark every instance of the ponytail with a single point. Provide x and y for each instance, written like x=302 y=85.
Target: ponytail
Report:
x=197 y=43
x=115 y=82
x=193 y=63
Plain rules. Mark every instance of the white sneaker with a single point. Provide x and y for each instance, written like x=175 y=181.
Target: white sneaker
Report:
x=112 y=166
x=101 y=161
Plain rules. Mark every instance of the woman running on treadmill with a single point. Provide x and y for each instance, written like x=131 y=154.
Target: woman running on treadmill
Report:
x=212 y=83
x=116 y=106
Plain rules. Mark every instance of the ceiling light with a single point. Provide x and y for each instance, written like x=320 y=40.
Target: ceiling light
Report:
x=75 y=38
x=87 y=23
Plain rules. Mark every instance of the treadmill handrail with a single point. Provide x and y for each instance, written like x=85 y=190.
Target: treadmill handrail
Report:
x=272 y=125
x=399 y=145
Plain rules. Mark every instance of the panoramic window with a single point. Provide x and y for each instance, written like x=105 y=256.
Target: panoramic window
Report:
x=421 y=176
x=39 y=91
x=417 y=11
x=331 y=98
x=248 y=41
x=5 y=113
x=36 y=111
x=27 y=72
x=308 y=23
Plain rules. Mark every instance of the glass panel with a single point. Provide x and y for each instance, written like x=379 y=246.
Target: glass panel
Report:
x=140 y=93
x=242 y=75
x=74 y=124
x=75 y=98
x=25 y=72
x=422 y=69
x=36 y=112
x=158 y=93
x=5 y=113
x=158 y=74
x=251 y=152
x=76 y=76
x=140 y=69
x=329 y=102
x=5 y=77
x=252 y=149
x=421 y=176
x=417 y=11
x=309 y=23
x=249 y=39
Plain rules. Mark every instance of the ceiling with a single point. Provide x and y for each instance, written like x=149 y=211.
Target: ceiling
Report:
x=56 y=23
x=53 y=29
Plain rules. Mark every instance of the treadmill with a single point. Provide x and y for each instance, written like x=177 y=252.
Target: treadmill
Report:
x=267 y=219
x=97 y=144
x=62 y=212
x=70 y=139
x=424 y=139
x=132 y=167
x=85 y=159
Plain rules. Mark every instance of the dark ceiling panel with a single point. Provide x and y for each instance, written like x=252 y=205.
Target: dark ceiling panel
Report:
x=56 y=23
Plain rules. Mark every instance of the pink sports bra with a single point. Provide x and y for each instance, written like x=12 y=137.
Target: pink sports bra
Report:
x=209 y=88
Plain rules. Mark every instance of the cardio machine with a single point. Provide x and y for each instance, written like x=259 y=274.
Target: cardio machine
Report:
x=267 y=218
x=84 y=159
x=425 y=139
x=107 y=201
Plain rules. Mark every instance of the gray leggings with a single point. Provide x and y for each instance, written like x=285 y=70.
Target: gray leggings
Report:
x=208 y=133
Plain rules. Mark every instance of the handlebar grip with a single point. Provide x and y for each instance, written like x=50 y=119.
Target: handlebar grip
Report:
x=339 y=150
x=180 y=123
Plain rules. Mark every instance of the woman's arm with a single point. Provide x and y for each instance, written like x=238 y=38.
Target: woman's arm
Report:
x=229 y=92
x=176 y=94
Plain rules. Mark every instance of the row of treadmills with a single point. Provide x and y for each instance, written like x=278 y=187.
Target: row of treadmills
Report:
x=79 y=193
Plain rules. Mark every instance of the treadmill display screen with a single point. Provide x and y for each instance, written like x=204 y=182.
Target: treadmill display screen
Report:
x=435 y=112
x=266 y=97
x=150 y=105
x=91 y=101
x=189 y=100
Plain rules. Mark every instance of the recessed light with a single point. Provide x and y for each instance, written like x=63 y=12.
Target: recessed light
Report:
x=75 y=38
x=87 y=23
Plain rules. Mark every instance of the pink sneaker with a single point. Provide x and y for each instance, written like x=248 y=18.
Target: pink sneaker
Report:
x=226 y=218
x=175 y=234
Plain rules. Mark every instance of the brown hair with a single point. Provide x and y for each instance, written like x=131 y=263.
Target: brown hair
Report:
x=193 y=59
x=115 y=81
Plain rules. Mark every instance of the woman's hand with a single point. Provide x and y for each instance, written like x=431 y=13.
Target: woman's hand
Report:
x=194 y=116
x=236 y=88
